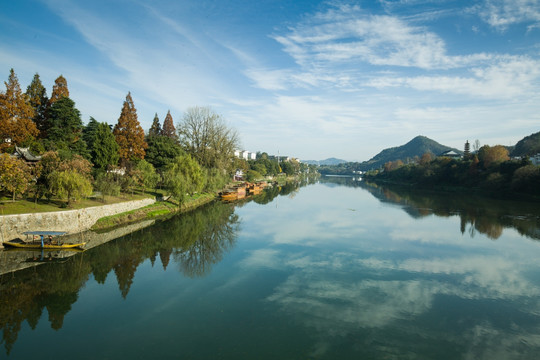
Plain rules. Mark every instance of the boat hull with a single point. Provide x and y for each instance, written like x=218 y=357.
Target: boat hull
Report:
x=9 y=244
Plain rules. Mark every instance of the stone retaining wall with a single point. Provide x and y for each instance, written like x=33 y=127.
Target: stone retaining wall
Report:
x=71 y=221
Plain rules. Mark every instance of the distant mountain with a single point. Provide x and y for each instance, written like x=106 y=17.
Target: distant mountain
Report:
x=416 y=147
x=329 y=161
x=528 y=146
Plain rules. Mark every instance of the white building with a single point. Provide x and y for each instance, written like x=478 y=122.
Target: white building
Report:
x=246 y=155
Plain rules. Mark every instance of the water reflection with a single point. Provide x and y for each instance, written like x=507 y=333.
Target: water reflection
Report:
x=477 y=213
x=440 y=298
x=195 y=241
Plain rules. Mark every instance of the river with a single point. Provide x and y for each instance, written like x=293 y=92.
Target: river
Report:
x=336 y=269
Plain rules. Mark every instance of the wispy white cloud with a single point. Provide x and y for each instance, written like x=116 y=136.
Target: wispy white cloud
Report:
x=348 y=34
x=503 y=13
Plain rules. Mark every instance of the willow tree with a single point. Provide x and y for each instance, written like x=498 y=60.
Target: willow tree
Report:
x=129 y=134
x=16 y=125
x=60 y=89
x=183 y=176
x=206 y=136
x=168 y=127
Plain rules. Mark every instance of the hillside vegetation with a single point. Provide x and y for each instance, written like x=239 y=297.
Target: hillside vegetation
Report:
x=409 y=152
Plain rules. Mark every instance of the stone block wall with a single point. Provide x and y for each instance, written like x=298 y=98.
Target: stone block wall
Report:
x=70 y=221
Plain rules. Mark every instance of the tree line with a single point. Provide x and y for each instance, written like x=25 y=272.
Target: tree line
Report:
x=490 y=168
x=77 y=159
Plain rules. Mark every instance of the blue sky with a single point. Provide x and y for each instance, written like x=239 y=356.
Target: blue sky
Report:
x=310 y=79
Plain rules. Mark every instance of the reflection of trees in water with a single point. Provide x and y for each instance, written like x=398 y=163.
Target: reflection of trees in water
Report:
x=196 y=240
x=290 y=189
x=26 y=293
x=480 y=214
x=203 y=238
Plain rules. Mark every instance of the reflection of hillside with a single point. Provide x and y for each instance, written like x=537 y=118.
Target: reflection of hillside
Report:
x=195 y=241
x=288 y=189
x=478 y=214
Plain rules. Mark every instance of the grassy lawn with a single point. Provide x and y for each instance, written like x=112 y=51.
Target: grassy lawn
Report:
x=27 y=206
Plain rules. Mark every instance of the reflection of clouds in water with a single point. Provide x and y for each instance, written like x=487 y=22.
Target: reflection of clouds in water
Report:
x=484 y=276
x=329 y=304
x=488 y=343
x=321 y=294
x=261 y=258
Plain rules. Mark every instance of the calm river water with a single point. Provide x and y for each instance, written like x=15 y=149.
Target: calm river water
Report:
x=338 y=269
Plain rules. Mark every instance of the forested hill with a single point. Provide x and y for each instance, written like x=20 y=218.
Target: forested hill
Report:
x=528 y=146
x=329 y=161
x=414 y=148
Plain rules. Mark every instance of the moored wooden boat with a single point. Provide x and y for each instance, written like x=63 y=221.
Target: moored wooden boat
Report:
x=45 y=241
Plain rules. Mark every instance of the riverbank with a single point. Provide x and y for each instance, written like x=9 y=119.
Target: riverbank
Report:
x=503 y=194
x=152 y=211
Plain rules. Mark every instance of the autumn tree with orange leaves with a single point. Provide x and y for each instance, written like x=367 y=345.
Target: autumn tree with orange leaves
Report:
x=60 y=89
x=16 y=113
x=129 y=134
x=168 y=127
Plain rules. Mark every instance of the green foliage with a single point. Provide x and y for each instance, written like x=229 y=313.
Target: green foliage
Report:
x=253 y=175
x=107 y=184
x=528 y=146
x=162 y=151
x=183 y=176
x=526 y=179
x=499 y=177
x=215 y=180
x=70 y=184
x=265 y=166
x=104 y=149
x=64 y=131
x=89 y=132
x=148 y=177
x=37 y=97
x=155 y=129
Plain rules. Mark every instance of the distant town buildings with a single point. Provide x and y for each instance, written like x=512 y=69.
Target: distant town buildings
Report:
x=246 y=155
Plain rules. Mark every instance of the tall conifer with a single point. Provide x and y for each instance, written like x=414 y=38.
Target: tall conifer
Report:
x=104 y=148
x=16 y=125
x=155 y=129
x=129 y=134
x=65 y=127
x=168 y=127
x=60 y=89
x=37 y=96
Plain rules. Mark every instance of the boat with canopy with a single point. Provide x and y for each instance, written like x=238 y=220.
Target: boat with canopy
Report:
x=47 y=240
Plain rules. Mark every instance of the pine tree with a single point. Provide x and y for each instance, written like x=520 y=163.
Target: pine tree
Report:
x=65 y=127
x=168 y=127
x=89 y=132
x=129 y=134
x=39 y=101
x=60 y=89
x=104 y=148
x=155 y=129
x=16 y=125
